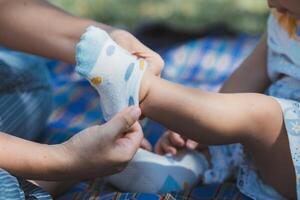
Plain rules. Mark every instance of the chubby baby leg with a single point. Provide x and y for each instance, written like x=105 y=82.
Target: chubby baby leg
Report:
x=255 y=120
x=149 y=172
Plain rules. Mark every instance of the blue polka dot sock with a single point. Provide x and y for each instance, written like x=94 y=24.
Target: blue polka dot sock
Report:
x=153 y=173
x=114 y=72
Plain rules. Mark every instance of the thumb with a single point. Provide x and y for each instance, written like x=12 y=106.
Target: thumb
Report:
x=123 y=121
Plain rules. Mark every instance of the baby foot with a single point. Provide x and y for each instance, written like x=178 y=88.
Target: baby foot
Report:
x=115 y=73
x=152 y=173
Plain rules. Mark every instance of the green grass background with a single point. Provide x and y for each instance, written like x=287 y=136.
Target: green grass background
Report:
x=240 y=15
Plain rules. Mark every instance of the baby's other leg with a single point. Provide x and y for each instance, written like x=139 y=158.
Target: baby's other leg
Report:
x=153 y=173
x=255 y=120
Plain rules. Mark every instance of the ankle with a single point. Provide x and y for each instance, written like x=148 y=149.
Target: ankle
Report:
x=145 y=86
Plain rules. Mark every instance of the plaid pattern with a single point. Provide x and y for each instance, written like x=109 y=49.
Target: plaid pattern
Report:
x=98 y=190
x=204 y=63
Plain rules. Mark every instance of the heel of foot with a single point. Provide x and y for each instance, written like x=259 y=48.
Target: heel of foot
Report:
x=88 y=49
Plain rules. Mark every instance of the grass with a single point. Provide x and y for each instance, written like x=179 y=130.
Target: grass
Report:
x=240 y=15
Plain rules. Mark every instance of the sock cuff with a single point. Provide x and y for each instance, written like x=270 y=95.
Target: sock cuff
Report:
x=88 y=49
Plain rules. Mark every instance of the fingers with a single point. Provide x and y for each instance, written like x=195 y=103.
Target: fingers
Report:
x=146 y=145
x=170 y=142
x=130 y=140
x=123 y=121
x=129 y=42
x=158 y=150
x=168 y=148
x=190 y=144
x=156 y=63
x=180 y=142
x=176 y=139
x=162 y=148
x=164 y=145
x=134 y=135
x=141 y=54
x=158 y=147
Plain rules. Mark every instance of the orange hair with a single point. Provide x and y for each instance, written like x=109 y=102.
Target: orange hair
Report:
x=287 y=22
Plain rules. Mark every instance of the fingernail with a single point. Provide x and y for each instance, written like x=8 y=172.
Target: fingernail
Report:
x=191 y=145
x=135 y=112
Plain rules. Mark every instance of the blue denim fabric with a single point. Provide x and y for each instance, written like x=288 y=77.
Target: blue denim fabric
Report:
x=25 y=94
x=25 y=104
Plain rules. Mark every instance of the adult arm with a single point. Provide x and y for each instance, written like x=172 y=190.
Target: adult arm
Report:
x=94 y=152
x=37 y=27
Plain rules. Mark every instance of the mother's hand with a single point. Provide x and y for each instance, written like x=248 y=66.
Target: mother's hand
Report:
x=134 y=46
x=104 y=150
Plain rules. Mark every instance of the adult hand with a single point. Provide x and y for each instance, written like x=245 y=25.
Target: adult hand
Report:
x=146 y=145
x=134 y=46
x=104 y=150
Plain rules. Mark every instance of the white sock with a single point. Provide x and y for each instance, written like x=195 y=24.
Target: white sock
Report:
x=152 y=173
x=116 y=75
x=114 y=72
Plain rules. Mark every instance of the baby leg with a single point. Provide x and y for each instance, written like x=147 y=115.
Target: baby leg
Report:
x=149 y=172
x=255 y=120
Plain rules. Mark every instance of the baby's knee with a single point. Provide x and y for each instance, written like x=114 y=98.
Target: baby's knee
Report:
x=266 y=120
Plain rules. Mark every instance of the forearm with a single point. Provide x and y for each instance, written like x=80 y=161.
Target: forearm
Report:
x=37 y=27
x=32 y=160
